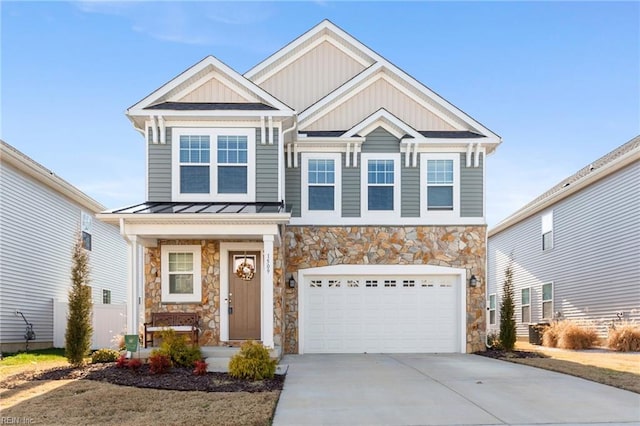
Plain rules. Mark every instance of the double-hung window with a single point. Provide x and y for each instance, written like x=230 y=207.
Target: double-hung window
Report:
x=381 y=185
x=547 y=301
x=439 y=183
x=492 y=309
x=195 y=161
x=321 y=182
x=213 y=164
x=525 y=305
x=180 y=267
x=547 y=231
x=232 y=164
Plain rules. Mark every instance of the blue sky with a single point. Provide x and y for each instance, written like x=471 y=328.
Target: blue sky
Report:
x=560 y=82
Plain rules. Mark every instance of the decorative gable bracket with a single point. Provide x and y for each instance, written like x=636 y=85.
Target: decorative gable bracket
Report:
x=411 y=147
x=351 y=147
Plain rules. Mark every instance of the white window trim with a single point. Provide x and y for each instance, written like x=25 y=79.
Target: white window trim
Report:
x=196 y=296
x=547 y=226
x=542 y=301
x=495 y=318
x=321 y=215
x=424 y=211
x=522 y=305
x=110 y=293
x=364 y=187
x=213 y=134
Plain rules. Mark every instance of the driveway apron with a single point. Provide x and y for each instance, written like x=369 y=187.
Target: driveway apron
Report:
x=442 y=389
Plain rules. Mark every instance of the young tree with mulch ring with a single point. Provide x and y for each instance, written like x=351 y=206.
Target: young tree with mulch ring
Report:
x=79 y=328
x=507 y=311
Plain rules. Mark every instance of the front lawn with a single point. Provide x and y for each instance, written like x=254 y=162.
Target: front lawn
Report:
x=41 y=388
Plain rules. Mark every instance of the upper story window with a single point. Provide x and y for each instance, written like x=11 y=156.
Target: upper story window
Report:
x=321 y=185
x=380 y=184
x=194 y=164
x=214 y=164
x=547 y=231
x=232 y=164
x=440 y=185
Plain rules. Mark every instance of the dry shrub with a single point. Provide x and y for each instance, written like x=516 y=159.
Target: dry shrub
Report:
x=624 y=337
x=569 y=335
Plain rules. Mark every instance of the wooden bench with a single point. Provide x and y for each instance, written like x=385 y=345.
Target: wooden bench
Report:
x=180 y=322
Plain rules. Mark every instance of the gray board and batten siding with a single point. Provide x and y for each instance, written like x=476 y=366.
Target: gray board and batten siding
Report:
x=39 y=227
x=594 y=264
x=381 y=141
x=159 y=168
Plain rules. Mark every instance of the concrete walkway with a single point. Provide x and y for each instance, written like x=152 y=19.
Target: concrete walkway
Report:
x=451 y=389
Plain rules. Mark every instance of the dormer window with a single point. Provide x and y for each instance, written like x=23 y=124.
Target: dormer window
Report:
x=215 y=164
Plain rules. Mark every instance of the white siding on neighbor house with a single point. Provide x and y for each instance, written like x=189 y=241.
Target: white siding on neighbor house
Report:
x=594 y=264
x=380 y=94
x=326 y=65
x=38 y=229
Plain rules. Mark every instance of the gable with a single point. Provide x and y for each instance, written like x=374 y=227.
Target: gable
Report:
x=213 y=90
x=211 y=82
x=326 y=65
x=379 y=94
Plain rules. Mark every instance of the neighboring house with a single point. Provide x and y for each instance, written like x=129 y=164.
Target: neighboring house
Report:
x=41 y=215
x=575 y=249
x=354 y=191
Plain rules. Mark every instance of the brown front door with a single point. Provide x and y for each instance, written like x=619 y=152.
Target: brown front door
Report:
x=244 y=298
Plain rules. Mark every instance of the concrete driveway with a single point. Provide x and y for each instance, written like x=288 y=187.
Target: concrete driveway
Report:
x=451 y=389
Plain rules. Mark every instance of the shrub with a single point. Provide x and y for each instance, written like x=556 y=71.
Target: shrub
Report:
x=135 y=364
x=569 y=335
x=252 y=362
x=624 y=337
x=122 y=361
x=493 y=341
x=77 y=339
x=175 y=346
x=104 y=355
x=507 y=311
x=159 y=362
x=201 y=368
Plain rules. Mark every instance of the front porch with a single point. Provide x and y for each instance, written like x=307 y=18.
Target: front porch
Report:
x=184 y=258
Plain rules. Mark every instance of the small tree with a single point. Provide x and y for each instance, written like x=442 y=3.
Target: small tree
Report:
x=79 y=329
x=507 y=311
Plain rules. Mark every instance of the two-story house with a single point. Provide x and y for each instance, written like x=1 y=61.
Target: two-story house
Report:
x=575 y=249
x=324 y=201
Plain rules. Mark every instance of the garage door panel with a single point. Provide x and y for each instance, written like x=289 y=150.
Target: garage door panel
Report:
x=381 y=314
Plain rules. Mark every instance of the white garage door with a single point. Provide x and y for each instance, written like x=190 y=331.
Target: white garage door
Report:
x=381 y=314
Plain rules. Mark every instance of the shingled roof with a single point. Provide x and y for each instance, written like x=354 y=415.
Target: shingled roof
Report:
x=569 y=184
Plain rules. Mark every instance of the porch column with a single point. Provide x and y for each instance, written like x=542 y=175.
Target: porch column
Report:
x=135 y=271
x=267 y=291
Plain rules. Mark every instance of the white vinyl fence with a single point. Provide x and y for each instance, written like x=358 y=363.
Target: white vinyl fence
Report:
x=108 y=322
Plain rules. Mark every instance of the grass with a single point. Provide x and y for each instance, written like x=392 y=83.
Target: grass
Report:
x=38 y=355
x=72 y=402
x=37 y=359
x=621 y=370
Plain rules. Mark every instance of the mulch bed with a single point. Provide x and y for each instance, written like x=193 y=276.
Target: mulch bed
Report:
x=181 y=379
x=501 y=354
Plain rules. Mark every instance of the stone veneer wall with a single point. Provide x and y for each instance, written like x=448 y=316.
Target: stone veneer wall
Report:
x=452 y=246
x=209 y=308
